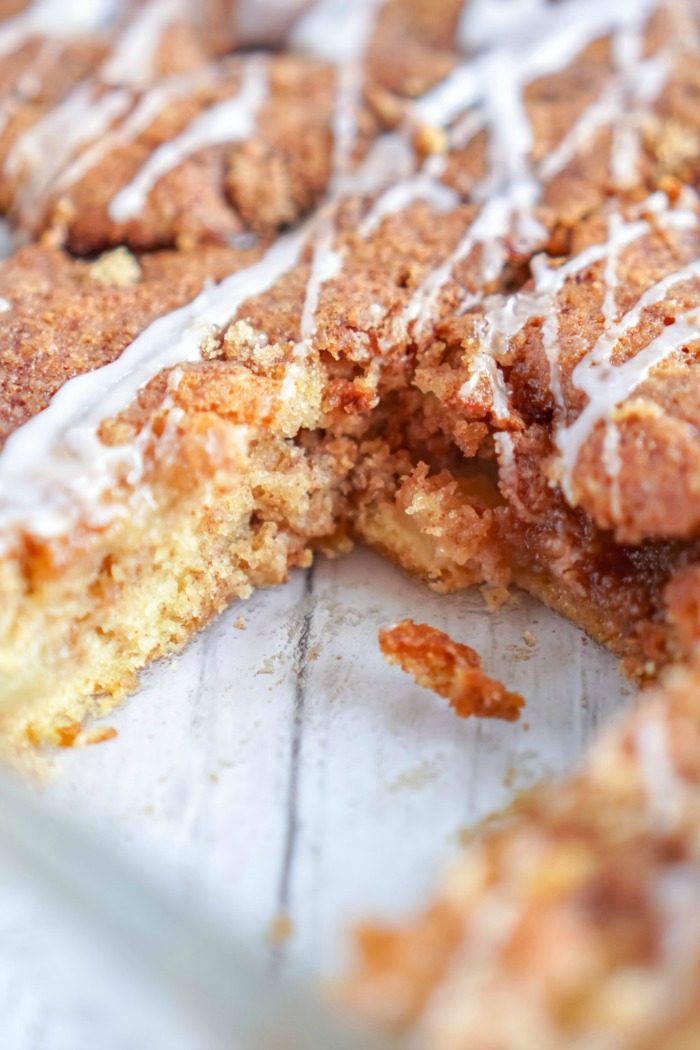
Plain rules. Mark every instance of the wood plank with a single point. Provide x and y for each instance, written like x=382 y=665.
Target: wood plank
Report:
x=285 y=768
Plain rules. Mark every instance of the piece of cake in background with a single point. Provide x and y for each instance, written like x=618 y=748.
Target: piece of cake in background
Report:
x=573 y=921
x=405 y=46
x=237 y=147
x=68 y=73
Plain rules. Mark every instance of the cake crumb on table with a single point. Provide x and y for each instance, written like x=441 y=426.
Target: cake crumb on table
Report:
x=101 y=735
x=280 y=929
x=449 y=668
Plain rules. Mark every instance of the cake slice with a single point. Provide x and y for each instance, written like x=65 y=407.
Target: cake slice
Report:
x=155 y=487
x=169 y=445
x=597 y=354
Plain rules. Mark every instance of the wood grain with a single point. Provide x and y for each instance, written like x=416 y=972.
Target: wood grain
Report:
x=286 y=770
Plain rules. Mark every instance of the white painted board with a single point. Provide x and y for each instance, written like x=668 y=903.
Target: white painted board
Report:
x=286 y=769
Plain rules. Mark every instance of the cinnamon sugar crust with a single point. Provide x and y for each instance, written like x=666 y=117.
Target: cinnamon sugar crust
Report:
x=65 y=317
x=201 y=158
x=54 y=67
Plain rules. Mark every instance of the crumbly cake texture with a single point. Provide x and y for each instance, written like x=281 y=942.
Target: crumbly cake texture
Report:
x=573 y=921
x=451 y=669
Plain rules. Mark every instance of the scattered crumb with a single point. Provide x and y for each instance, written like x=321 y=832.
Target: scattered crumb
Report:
x=525 y=770
x=416 y=777
x=280 y=929
x=430 y=140
x=313 y=653
x=116 y=269
x=214 y=778
x=449 y=668
x=465 y=836
x=240 y=623
x=495 y=595
x=521 y=652
x=526 y=651
x=98 y=736
x=148 y=811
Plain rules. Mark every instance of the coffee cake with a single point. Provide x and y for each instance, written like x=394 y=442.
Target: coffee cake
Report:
x=422 y=275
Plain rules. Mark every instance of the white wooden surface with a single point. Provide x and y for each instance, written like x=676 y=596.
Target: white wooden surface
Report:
x=285 y=769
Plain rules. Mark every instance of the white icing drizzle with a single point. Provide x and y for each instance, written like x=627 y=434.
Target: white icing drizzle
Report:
x=611 y=438
x=423 y=185
x=228 y=121
x=149 y=106
x=326 y=263
x=550 y=345
x=335 y=29
x=485 y=368
x=132 y=61
x=636 y=81
x=5 y=306
x=462 y=88
x=610 y=278
x=508 y=470
x=344 y=122
x=510 y=141
x=608 y=385
x=30 y=83
x=423 y=302
x=613 y=466
x=605 y=384
x=56 y=18
x=640 y=82
x=48 y=154
x=41 y=153
x=569 y=28
x=485 y=22
x=663 y=786
x=494 y=83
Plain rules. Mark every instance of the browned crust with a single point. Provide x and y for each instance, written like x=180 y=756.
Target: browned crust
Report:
x=451 y=669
